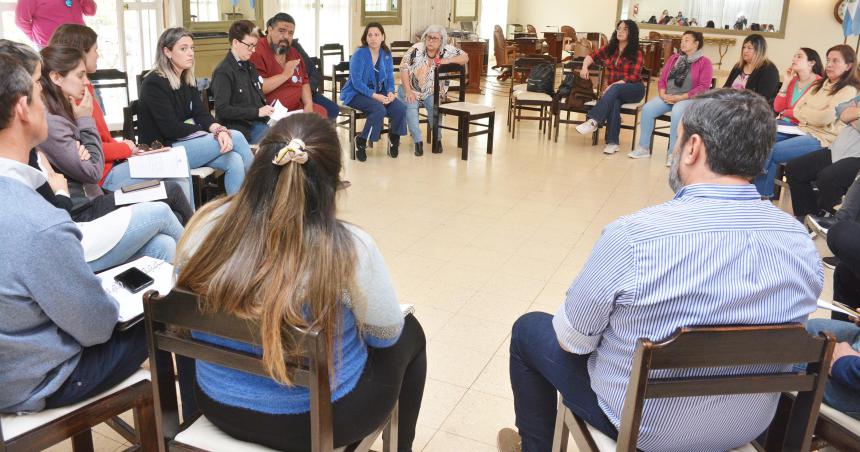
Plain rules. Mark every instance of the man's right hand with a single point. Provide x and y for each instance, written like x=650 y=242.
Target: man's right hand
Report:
x=290 y=67
x=266 y=110
x=56 y=180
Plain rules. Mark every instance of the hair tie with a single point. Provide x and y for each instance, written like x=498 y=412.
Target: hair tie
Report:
x=292 y=152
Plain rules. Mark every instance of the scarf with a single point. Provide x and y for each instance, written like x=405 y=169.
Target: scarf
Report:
x=682 y=66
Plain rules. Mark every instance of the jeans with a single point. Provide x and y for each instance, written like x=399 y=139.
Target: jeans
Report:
x=331 y=108
x=102 y=367
x=836 y=394
x=376 y=112
x=608 y=108
x=258 y=131
x=205 y=151
x=412 y=115
x=655 y=108
x=120 y=176
x=831 y=178
x=152 y=231
x=787 y=147
x=539 y=367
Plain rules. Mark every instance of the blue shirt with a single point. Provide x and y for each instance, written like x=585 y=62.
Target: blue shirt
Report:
x=367 y=78
x=715 y=254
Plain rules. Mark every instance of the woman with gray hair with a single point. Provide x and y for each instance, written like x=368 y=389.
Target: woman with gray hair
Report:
x=171 y=112
x=417 y=70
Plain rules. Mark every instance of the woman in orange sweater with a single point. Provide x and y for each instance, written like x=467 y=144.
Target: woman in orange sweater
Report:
x=116 y=173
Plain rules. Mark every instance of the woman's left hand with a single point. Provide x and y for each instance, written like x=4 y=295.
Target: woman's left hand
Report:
x=225 y=140
x=391 y=97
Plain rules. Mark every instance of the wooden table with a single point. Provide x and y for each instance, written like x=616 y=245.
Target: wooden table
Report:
x=476 y=51
x=555 y=43
x=528 y=46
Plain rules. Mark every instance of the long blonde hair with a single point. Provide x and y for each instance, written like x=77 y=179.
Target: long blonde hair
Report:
x=759 y=45
x=278 y=254
x=164 y=67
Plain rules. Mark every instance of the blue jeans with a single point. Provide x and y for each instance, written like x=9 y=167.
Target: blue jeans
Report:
x=539 y=367
x=837 y=395
x=153 y=231
x=331 y=108
x=655 y=108
x=787 y=147
x=412 y=115
x=120 y=176
x=258 y=131
x=376 y=112
x=205 y=151
x=608 y=108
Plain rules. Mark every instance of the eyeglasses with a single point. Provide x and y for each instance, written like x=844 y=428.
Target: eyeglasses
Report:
x=434 y=38
x=250 y=46
x=152 y=147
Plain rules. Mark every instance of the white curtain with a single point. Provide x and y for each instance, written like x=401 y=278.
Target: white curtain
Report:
x=726 y=12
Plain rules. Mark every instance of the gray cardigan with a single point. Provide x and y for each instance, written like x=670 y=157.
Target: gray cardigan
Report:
x=60 y=147
x=51 y=303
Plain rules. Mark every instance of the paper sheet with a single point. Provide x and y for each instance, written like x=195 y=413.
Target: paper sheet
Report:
x=160 y=165
x=789 y=130
x=149 y=194
x=280 y=113
x=832 y=307
x=131 y=304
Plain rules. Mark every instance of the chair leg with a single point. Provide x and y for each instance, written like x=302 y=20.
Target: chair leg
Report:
x=514 y=123
x=490 y=133
x=352 y=135
x=83 y=442
x=389 y=435
x=560 y=434
x=465 y=139
x=145 y=424
x=635 y=124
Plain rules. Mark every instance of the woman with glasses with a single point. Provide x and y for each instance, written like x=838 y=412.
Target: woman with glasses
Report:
x=172 y=112
x=370 y=89
x=239 y=100
x=417 y=71
x=623 y=61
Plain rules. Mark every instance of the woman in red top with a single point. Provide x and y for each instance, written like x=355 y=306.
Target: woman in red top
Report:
x=805 y=70
x=623 y=62
x=116 y=173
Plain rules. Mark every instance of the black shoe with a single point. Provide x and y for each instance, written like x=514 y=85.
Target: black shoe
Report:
x=360 y=148
x=393 y=146
x=830 y=262
x=438 y=148
x=419 y=149
x=820 y=224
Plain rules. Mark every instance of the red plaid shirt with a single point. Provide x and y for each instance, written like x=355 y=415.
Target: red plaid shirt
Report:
x=619 y=68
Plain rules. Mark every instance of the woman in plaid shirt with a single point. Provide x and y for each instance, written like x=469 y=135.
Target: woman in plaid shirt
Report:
x=623 y=62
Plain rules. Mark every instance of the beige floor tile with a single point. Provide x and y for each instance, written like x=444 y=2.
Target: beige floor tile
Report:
x=463 y=275
x=520 y=287
x=448 y=442
x=101 y=443
x=480 y=416
x=495 y=308
x=441 y=295
x=432 y=319
x=455 y=364
x=439 y=400
x=495 y=379
x=474 y=333
x=551 y=297
x=481 y=257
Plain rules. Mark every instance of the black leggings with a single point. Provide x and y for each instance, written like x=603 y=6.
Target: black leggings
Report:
x=832 y=180
x=391 y=374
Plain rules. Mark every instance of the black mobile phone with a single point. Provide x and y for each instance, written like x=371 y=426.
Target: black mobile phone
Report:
x=140 y=185
x=134 y=280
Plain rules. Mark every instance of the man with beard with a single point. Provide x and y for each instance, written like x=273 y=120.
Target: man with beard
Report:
x=284 y=73
x=716 y=254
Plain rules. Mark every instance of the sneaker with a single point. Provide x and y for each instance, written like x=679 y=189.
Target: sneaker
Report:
x=610 y=149
x=639 y=153
x=820 y=224
x=508 y=440
x=830 y=262
x=587 y=127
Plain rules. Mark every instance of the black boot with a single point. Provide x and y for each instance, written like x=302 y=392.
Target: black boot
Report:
x=437 y=149
x=419 y=149
x=361 y=148
x=393 y=145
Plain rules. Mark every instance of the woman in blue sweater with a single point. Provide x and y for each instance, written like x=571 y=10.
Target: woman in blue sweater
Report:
x=370 y=89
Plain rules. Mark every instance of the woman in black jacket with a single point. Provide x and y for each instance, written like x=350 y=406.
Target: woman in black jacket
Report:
x=172 y=112
x=754 y=71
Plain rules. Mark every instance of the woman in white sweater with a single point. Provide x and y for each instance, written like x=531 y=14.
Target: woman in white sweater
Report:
x=275 y=251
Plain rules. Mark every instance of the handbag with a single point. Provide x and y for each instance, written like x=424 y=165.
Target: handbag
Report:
x=581 y=92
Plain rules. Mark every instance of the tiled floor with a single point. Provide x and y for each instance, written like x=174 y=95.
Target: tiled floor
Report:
x=476 y=244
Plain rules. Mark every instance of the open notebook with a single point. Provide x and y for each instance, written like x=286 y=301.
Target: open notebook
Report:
x=131 y=304
x=836 y=306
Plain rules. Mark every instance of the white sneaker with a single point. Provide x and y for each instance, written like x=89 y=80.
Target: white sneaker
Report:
x=669 y=161
x=639 y=153
x=610 y=149
x=587 y=127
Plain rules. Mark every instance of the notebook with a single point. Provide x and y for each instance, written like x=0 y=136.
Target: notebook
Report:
x=131 y=304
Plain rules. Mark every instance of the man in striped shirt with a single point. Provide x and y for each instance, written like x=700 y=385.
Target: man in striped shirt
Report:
x=715 y=254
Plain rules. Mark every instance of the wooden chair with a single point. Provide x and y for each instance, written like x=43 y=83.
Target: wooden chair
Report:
x=504 y=52
x=560 y=105
x=37 y=431
x=206 y=182
x=180 y=311
x=568 y=42
x=632 y=109
x=467 y=113
x=329 y=50
x=399 y=48
x=711 y=347
x=838 y=429
x=531 y=29
x=103 y=79
x=520 y=99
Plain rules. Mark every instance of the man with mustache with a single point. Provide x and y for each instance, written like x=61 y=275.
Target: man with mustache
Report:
x=284 y=73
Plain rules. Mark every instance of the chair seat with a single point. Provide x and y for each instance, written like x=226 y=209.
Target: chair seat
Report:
x=203 y=172
x=202 y=434
x=633 y=106
x=520 y=88
x=15 y=425
x=532 y=96
x=837 y=417
x=467 y=107
x=607 y=444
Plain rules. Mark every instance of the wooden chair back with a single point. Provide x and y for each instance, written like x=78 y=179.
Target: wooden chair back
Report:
x=110 y=78
x=339 y=75
x=569 y=32
x=399 y=48
x=655 y=35
x=531 y=29
x=130 y=125
x=329 y=51
x=500 y=47
x=446 y=74
x=179 y=311
x=732 y=346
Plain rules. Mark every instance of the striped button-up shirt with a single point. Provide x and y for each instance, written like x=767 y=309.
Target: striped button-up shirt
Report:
x=715 y=254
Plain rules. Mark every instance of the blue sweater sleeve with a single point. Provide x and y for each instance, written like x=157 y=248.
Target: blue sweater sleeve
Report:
x=358 y=73
x=846 y=370
x=389 y=74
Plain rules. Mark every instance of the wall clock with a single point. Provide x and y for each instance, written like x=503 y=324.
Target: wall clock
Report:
x=839 y=10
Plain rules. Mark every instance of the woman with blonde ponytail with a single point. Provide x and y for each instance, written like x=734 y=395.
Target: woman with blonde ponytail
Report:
x=276 y=252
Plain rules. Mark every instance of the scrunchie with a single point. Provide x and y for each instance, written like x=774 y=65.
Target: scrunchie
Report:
x=292 y=152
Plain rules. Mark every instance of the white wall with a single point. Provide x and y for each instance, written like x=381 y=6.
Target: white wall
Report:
x=810 y=24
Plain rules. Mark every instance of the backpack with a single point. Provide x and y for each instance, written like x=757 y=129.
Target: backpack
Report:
x=541 y=79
